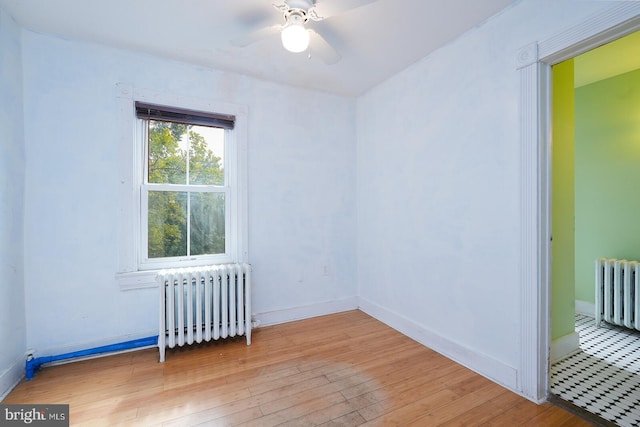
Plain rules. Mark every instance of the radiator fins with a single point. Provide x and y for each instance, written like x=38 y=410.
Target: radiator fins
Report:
x=617 y=288
x=204 y=304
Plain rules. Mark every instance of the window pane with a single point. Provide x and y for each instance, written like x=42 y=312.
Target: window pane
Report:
x=167 y=158
x=167 y=224
x=206 y=155
x=207 y=223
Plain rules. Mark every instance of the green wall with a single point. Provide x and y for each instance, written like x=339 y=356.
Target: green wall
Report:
x=562 y=215
x=607 y=191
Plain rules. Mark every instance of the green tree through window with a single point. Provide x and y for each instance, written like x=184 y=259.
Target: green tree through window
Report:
x=185 y=190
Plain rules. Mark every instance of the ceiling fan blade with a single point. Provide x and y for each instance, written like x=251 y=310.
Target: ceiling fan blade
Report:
x=328 y=8
x=322 y=48
x=281 y=5
x=255 y=36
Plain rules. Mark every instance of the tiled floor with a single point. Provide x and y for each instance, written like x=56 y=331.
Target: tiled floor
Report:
x=604 y=377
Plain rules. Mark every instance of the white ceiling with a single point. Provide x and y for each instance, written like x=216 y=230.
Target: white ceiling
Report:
x=375 y=41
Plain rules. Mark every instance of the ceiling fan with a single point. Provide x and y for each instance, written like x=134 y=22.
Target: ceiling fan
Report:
x=296 y=37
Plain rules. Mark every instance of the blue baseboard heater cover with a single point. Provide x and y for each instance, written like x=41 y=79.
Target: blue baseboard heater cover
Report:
x=32 y=365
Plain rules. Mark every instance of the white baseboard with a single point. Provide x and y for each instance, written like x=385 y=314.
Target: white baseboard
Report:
x=586 y=308
x=10 y=377
x=261 y=319
x=305 y=312
x=564 y=346
x=482 y=364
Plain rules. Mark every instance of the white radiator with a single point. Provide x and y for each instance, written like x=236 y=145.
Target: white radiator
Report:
x=617 y=289
x=204 y=304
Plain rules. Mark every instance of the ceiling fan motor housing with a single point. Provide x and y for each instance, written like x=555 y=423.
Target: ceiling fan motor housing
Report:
x=296 y=17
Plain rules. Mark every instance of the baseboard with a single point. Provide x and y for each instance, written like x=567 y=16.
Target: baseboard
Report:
x=586 y=308
x=484 y=365
x=11 y=377
x=564 y=346
x=260 y=319
x=305 y=312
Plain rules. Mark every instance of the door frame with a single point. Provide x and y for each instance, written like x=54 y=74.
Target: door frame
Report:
x=534 y=62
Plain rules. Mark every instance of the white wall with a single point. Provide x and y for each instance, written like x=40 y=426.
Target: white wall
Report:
x=438 y=191
x=12 y=307
x=301 y=192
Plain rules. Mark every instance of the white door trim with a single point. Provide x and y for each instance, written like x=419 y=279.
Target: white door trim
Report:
x=534 y=63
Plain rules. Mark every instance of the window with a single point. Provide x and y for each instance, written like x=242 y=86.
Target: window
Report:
x=184 y=188
x=183 y=184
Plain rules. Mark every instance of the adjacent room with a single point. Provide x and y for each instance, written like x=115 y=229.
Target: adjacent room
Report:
x=595 y=152
x=386 y=173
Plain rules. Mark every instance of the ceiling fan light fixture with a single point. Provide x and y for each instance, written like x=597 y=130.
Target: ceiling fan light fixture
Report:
x=295 y=37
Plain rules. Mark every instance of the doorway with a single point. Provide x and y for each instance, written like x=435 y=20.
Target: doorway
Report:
x=595 y=152
x=534 y=63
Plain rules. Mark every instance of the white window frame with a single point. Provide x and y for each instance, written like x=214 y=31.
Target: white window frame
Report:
x=227 y=189
x=134 y=270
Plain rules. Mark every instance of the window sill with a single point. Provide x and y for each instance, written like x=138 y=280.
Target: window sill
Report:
x=137 y=280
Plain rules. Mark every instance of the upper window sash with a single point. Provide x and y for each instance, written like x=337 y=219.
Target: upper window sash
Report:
x=227 y=158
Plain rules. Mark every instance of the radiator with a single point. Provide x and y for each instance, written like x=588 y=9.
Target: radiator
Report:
x=617 y=292
x=204 y=304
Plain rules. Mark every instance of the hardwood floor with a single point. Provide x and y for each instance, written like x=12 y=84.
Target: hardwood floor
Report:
x=345 y=369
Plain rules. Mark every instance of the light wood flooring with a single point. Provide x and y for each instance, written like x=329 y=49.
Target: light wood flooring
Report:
x=345 y=369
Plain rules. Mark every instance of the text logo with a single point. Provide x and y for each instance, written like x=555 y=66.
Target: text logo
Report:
x=34 y=415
